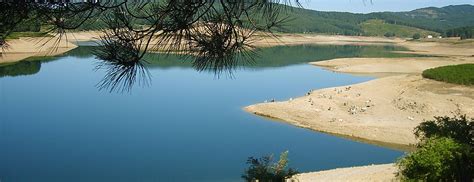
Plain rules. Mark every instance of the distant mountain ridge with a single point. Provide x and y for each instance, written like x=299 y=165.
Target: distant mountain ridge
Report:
x=423 y=21
x=432 y=19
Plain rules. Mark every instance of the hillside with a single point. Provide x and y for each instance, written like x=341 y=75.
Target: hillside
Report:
x=433 y=19
x=380 y=28
x=403 y=24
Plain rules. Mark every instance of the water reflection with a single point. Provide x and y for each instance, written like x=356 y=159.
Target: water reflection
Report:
x=119 y=77
x=21 y=68
x=28 y=66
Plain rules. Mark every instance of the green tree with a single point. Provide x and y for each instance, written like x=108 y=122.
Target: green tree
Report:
x=265 y=170
x=460 y=128
x=445 y=151
x=389 y=34
x=438 y=159
x=416 y=36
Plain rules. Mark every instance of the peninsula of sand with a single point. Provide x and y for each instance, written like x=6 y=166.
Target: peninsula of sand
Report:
x=26 y=47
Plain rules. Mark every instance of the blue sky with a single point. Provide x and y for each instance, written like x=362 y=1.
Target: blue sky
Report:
x=361 y=6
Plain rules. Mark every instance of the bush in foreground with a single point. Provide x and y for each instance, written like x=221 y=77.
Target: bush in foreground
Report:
x=438 y=159
x=445 y=152
x=265 y=170
x=458 y=74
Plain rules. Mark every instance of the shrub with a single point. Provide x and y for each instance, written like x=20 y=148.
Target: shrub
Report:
x=416 y=36
x=438 y=159
x=445 y=152
x=459 y=128
x=264 y=170
x=389 y=34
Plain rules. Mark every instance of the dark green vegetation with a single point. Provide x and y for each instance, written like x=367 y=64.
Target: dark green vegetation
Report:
x=416 y=36
x=438 y=159
x=403 y=23
x=463 y=32
x=445 y=153
x=389 y=34
x=265 y=170
x=381 y=28
x=459 y=128
x=433 y=19
x=458 y=74
x=29 y=66
x=424 y=21
x=20 y=68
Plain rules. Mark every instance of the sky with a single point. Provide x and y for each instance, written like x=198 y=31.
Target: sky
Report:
x=366 y=6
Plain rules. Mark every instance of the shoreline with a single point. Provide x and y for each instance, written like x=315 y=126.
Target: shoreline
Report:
x=393 y=146
x=368 y=112
x=25 y=47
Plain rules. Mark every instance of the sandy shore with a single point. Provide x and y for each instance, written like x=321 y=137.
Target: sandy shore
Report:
x=443 y=47
x=23 y=48
x=26 y=47
x=379 y=173
x=390 y=66
x=297 y=39
x=384 y=110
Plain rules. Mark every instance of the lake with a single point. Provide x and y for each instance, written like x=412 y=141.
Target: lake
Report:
x=56 y=125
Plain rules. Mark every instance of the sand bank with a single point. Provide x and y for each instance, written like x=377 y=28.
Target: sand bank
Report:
x=379 y=173
x=23 y=48
x=26 y=47
x=390 y=66
x=442 y=47
x=298 y=39
x=384 y=110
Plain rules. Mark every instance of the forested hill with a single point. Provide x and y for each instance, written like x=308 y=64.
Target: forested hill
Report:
x=425 y=21
x=432 y=19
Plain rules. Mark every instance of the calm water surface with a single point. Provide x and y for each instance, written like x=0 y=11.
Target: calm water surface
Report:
x=55 y=125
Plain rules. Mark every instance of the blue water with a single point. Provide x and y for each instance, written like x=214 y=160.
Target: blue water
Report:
x=55 y=125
